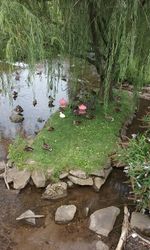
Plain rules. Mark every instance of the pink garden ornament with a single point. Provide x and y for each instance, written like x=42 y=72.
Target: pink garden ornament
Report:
x=63 y=103
x=82 y=109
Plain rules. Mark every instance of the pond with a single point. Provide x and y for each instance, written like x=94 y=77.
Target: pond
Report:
x=37 y=90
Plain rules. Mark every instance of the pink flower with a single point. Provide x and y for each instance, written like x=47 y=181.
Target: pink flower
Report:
x=63 y=103
x=82 y=109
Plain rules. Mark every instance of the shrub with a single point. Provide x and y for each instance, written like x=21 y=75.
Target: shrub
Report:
x=137 y=158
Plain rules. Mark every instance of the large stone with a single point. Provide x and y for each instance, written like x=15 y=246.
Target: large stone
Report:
x=20 y=179
x=81 y=182
x=101 y=246
x=11 y=172
x=15 y=117
x=98 y=182
x=141 y=222
x=38 y=178
x=55 y=191
x=102 y=220
x=65 y=214
x=78 y=173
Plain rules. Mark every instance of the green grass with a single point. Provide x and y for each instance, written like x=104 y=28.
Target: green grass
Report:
x=84 y=147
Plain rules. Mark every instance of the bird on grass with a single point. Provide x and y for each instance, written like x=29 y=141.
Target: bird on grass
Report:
x=28 y=148
x=61 y=115
x=46 y=146
x=50 y=129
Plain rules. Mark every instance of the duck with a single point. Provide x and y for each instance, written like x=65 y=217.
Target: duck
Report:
x=17 y=77
x=50 y=129
x=28 y=148
x=15 y=94
x=34 y=102
x=46 y=146
x=61 y=115
x=18 y=109
x=50 y=104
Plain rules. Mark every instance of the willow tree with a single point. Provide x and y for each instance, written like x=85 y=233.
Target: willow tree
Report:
x=116 y=32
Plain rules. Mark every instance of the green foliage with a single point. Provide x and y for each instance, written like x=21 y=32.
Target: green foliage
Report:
x=85 y=146
x=137 y=157
x=16 y=151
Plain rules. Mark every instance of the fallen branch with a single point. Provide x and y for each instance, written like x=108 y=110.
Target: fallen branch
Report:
x=143 y=239
x=5 y=178
x=125 y=227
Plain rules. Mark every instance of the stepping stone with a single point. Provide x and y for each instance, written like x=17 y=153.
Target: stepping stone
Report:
x=78 y=173
x=102 y=220
x=65 y=214
x=38 y=178
x=101 y=246
x=29 y=216
x=98 y=182
x=141 y=222
x=81 y=182
x=20 y=179
x=55 y=191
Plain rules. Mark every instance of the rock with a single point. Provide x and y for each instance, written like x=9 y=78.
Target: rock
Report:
x=141 y=222
x=98 y=173
x=38 y=178
x=63 y=175
x=10 y=164
x=49 y=173
x=15 y=117
x=70 y=184
x=28 y=216
x=20 y=179
x=55 y=191
x=101 y=246
x=2 y=166
x=78 y=173
x=81 y=182
x=107 y=172
x=65 y=214
x=11 y=172
x=98 y=182
x=102 y=220
x=86 y=211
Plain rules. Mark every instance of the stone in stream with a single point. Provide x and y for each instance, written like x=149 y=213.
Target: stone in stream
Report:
x=98 y=182
x=101 y=246
x=65 y=214
x=81 y=182
x=15 y=117
x=141 y=222
x=63 y=175
x=55 y=191
x=78 y=173
x=29 y=216
x=38 y=178
x=21 y=178
x=70 y=184
x=102 y=220
x=25 y=216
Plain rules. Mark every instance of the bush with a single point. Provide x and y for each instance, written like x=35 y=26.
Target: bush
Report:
x=137 y=158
